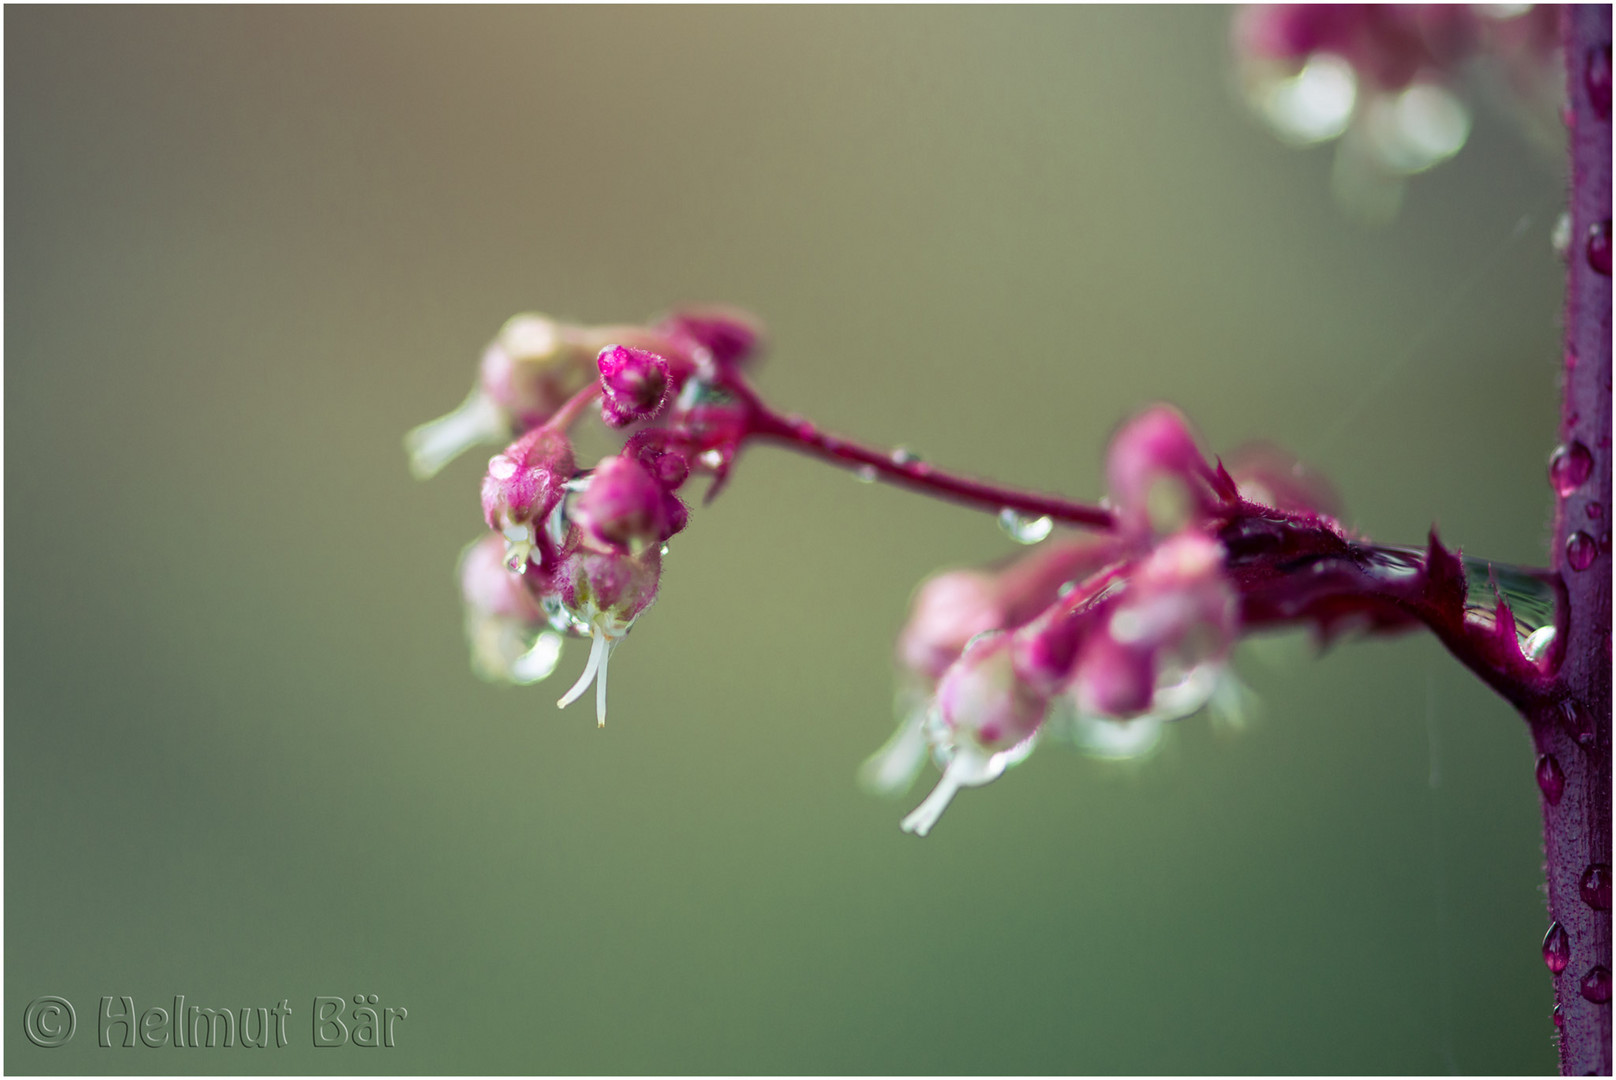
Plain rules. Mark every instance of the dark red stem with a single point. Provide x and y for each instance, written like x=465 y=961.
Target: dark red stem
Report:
x=1573 y=735
x=908 y=471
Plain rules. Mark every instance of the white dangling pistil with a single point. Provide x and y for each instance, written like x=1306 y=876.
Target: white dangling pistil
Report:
x=596 y=651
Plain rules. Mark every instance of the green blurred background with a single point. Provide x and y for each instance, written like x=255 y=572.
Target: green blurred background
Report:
x=246 y=758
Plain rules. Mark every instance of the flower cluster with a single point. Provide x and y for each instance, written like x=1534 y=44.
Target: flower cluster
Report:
x=1385 y=81
x=577 y=552
x=1098 y=641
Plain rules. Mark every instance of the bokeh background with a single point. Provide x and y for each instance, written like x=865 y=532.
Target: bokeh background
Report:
x=246 y=759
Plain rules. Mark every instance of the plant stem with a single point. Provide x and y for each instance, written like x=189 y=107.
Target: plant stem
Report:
x=1576 y=733
x=909 y=471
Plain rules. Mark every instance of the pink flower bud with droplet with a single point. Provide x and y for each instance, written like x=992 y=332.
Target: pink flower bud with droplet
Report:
x=624 y=508
x=637 y=385
x=986 y=718
x=522 y=486
x=1159 y=479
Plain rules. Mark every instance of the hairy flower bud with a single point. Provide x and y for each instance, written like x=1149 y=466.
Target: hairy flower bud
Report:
x=522 y=486
x=604 y=592
x=636 y=384
x=624 y=507
x=728 y=335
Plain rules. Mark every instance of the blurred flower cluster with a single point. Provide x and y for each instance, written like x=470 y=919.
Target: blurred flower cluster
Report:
x=1095 y=642
x=1391 y=82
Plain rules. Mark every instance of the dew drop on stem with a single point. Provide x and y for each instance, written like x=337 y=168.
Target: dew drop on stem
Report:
x=1024 y=529
x=1595 y=887
x=1569 y=467
x=1550 y=779
x=1580 y=549
x=1596 y=984
x=1557 y=948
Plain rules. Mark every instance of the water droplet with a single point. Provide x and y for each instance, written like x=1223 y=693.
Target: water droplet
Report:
x=865 y=474
x=1550 y=779
x=1595 y=510
x=1580 y=550
x=1596 y=984
x=1595 y=887
x=1560 y=236
x=1599 y=246
x=904 y=456
x=1537 y=643
x=1557 y=948
x=1558 y=1017
x=713 y=459
x=1024 y=529
x=1596 y=76
x=1569 y=467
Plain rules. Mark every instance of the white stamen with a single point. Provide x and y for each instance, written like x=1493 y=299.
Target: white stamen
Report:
x=600 y=682
x=926 y=814
x=437 y=442
x=596 y=651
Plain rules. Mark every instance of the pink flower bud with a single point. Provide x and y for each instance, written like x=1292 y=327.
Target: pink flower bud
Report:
x=728 y=335
x=521 y=488
x=534 y=365
x=662 y=455
x=982 y=699
x=604 y=592
x=986 y=718
x=1158 y=477
x=624 y=508
x=637 y=385
x=504 y=624
x=948 y=611
x=1178 y=615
